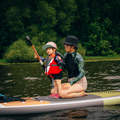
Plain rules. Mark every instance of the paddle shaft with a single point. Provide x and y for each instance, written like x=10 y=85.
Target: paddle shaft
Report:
x=37 y=55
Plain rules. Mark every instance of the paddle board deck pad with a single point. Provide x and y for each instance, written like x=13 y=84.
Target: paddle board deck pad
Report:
x=42 y=104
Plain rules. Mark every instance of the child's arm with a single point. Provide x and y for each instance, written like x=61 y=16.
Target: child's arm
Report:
x=58 y=60
x=43 y=59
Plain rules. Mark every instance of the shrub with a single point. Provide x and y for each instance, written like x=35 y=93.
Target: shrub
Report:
x=19 y=51
x=81 y=50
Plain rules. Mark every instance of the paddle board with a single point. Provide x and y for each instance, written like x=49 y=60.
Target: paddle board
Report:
x=41 y=104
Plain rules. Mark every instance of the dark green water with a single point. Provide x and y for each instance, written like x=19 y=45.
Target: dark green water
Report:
x=23 y=80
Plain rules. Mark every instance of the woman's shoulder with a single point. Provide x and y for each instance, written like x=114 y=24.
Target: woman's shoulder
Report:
x=65 y=54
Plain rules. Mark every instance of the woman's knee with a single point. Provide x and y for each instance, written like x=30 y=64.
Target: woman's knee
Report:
x=62 y=94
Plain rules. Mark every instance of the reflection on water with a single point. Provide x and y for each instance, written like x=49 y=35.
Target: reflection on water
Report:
x=112 y=77
x=103 y=76
x=28 y=80
x=89 y=113
x=23 y=80
x=75 y=114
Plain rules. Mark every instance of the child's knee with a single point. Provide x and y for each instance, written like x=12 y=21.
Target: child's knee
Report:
x=52 y=91
x=55 y=84
x=58 y=82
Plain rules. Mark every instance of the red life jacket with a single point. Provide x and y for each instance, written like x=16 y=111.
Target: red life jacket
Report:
x=51 y=66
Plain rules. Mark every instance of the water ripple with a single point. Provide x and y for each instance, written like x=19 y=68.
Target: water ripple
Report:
x=112 y=77
x=32 y=78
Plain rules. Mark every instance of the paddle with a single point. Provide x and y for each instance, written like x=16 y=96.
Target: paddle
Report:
x=28 y=38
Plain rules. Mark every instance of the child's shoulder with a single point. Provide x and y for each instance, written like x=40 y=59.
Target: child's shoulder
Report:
x=59 y=54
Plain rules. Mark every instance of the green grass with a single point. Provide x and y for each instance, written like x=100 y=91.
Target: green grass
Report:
x=101 y=58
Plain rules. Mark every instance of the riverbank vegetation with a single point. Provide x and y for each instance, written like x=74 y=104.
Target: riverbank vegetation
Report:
x=102 y=58
x=86 y=59
x=95 y=23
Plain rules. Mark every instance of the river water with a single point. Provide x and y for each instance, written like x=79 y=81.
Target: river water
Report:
x=28 y=80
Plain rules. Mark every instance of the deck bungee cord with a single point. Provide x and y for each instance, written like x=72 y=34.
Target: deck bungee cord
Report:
x=3 y=98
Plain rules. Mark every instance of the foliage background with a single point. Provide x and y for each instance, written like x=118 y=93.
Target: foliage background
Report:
x=96 y=23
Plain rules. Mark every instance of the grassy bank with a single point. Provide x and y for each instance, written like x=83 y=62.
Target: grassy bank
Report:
x=87 y=58
x=3 y=61
x=101 y=58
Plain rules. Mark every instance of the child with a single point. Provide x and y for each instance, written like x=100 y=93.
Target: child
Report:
x=52 y=66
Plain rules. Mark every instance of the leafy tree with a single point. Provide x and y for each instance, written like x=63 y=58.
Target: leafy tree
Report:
x=95 y=22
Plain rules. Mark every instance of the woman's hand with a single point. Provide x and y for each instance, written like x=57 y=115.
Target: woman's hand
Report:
x=66 y=86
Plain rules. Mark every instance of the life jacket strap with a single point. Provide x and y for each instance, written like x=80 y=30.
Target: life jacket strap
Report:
x=54 y=65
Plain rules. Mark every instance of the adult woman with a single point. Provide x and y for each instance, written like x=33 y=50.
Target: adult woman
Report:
x=74 y=63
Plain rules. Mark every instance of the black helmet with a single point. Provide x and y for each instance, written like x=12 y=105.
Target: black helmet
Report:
x=71 y=40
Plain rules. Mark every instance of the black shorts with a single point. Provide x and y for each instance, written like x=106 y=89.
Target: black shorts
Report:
x=57 y=76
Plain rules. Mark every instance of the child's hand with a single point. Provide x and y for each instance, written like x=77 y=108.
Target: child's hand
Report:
x=59 y=60
x=35 y=55
x=59 y=57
